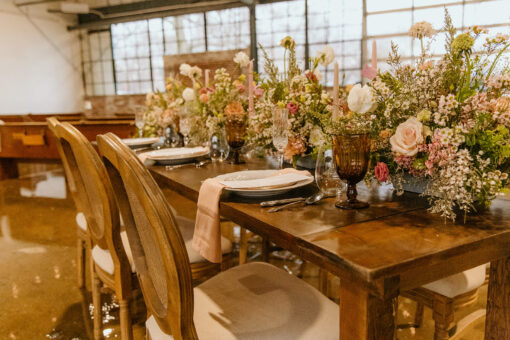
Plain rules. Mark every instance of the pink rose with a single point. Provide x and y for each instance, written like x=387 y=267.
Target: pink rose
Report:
x=204 y=98
x=381 y=172
x=292 y=107
x=239 y=86
x=408 y=137
x=258 y=92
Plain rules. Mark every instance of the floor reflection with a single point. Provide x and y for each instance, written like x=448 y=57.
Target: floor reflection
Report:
x=38 y=291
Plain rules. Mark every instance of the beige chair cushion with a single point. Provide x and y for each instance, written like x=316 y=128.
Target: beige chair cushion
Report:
x=259 y=301
x=459 y=283
x=187 y=227
x=104 y=260
x=81 y=221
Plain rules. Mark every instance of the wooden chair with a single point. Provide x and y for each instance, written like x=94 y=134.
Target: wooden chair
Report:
x=252 y=301
x=81 y=222
x=444 y=296
x=111 y=264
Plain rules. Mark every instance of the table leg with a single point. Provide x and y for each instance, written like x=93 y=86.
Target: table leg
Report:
x=497 y=322
x=364 y=316
x=8 y=168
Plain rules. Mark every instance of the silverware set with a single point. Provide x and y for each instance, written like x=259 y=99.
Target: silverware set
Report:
x=196 y=164
x=279 y=205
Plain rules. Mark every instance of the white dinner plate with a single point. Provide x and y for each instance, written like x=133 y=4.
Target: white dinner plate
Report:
x=247 y=175
x=173 y=156
x=135 y=143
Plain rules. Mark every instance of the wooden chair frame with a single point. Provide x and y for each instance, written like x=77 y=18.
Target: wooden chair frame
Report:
x=82 y=236
x=103 y=220
x=169 y=293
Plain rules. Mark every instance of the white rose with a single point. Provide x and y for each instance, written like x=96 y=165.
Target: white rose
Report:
x=242 y=59
x=326 y=56
x=185 y=69
x=408 y=136
x=361 y=99
x=188 y=94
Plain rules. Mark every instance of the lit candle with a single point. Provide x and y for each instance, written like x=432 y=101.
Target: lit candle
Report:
x=206 y=76
x=374 y=55
x=251 y=108
x=335 y=93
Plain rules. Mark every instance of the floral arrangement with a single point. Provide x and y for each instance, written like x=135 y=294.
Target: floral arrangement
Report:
x=301 y=93
x=165 y=108
x=217 y=98
x=446 y=121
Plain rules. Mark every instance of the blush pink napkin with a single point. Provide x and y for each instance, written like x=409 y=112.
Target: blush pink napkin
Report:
x=207 y=235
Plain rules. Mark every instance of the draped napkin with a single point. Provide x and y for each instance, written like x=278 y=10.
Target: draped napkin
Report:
x=207 y=235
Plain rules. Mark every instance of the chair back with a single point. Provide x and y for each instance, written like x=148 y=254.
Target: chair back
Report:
x=52 y=125
x=95 y=193
x=158 y=248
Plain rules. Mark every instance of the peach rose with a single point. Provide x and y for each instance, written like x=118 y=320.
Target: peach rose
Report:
x=408 y=136
x=234 y=108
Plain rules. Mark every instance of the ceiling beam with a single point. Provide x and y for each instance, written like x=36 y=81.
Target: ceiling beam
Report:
x=154 y=9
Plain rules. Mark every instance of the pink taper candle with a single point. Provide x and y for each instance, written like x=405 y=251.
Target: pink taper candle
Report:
x=206 y=76
x=335 y=92
x=251 y=107
x=374 y=55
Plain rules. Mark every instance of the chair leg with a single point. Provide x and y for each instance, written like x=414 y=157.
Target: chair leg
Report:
x=81 y=263
x=418 y=316
x=443 y=316
x=243 y=246
x=266 y=249
x=96 y=301
x=323 y=281
x=126 y=329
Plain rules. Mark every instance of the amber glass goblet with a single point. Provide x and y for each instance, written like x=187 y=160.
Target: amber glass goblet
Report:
x=235 y=126
x=351 y=152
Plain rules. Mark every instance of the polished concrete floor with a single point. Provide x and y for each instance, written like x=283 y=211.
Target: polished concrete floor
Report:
x=38 y=292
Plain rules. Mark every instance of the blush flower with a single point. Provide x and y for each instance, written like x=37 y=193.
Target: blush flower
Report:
x=292 y=107
x=381 y=172
x=407 y=137
x=204 y=98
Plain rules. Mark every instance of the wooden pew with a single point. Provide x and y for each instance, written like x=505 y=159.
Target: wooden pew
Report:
x=27 y=137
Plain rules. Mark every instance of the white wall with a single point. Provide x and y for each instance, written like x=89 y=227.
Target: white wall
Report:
x=40 y=68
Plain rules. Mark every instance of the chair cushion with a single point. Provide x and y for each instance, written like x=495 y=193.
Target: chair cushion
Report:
x=459 y=283
x=81 y=221
x=104 y=260
x=187 y=227
x=259 y=301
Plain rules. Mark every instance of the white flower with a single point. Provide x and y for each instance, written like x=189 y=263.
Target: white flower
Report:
x=317 y=137
x=326 y=56
x=408 y=136
x=361 y=99
x=195 y=72
x=421 y=29
x=185 y=69
x=242 y=59
x=188 y=94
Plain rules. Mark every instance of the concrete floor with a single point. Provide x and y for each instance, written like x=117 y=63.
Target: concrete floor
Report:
x=40 y=299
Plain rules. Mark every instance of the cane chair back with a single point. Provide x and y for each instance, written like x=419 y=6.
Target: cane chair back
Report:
x=52 y=124
x=157 y=245
x=97 y=199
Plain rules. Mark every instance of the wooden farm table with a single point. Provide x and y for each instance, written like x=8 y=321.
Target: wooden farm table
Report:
x=392 y=246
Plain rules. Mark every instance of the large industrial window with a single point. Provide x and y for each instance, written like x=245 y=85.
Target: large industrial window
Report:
x=349 y=26
x=390 y=21
x=97 y=62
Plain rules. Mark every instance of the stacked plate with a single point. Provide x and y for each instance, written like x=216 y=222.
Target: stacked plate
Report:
x=263 y=183
x=177 y=155
x=137 y=143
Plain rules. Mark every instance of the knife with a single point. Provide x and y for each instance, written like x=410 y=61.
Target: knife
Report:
x=282 y=201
